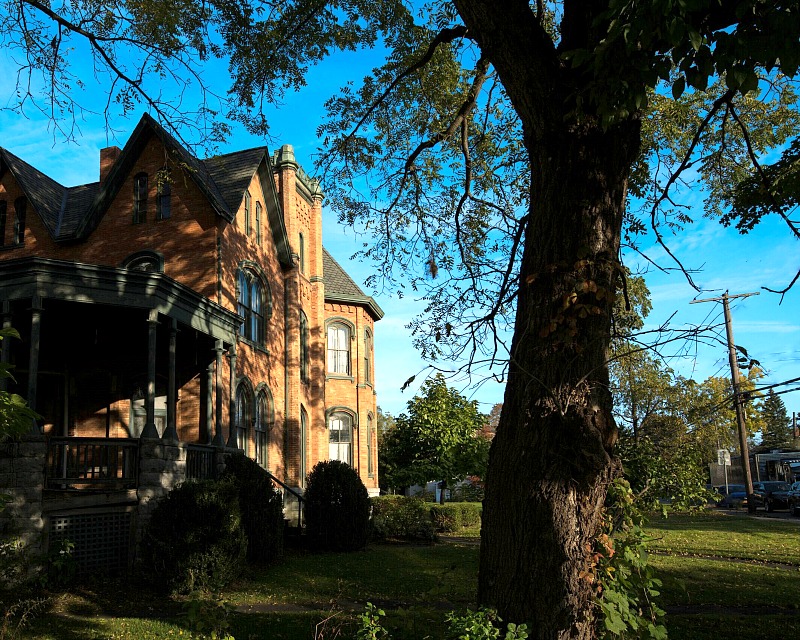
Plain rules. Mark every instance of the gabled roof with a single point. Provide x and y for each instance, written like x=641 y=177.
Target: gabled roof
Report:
x=340 y=287
x=73 y=213
x=141 y=135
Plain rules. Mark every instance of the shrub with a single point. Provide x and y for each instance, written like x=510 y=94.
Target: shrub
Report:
x=470 y=513
x=194 y=539
x=446 y=517
x=336 y=508
x=402 y=517
x=261 y=508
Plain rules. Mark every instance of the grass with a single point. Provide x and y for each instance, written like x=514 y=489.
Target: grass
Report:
x=722 y=575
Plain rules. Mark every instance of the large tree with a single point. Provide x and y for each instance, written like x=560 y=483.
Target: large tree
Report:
x=498 y=146
x=439 y=437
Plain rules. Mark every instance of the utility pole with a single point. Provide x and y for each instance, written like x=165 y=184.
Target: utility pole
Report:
x=738 y=403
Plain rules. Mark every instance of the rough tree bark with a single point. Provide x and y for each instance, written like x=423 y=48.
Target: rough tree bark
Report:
x=552 y=457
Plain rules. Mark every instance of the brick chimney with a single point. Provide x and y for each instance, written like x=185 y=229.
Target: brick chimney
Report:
x=108 y=157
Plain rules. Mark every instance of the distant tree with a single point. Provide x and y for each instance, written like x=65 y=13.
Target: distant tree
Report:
x=439 y=438
x=777 y=432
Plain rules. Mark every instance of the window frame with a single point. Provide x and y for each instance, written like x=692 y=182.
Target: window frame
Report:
x=258 y=223
x=304 y=353
x=368 y=346
x=247 y=203
x=243 y=416
x=336 y=354
x=141 y=186
x=302 y=256
x=342 y=417
x=370 y=435
x=164 y=197
x=20 y=215
x=262 y=426
x=253 y=328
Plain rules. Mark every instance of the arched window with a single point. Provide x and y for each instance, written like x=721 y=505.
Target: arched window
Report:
x=258 y=223
x=148 y=261
x=368 y=356
x=263 y=426
x=20 y=208
x=3 y=214
x=339 y=348
x=303 y=432
x=303 y=347
x=247 y=202
x=163 y=200
x=250 y=297
x=370 y=435
x=244 y=413
x=340 y=432
x=139 y=198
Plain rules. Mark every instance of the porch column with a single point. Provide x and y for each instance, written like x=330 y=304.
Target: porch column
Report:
x=150 y=430
x=210 y=403
x=33 y=361
x=218 y=439
x=232 y=403
x=171 y=432
x=5 y=345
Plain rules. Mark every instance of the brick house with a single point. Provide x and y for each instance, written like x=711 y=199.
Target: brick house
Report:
x=185 y=301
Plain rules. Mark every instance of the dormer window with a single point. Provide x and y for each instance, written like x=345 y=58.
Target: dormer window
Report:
x=139 y=198
x=20 y=208
x=163 y=199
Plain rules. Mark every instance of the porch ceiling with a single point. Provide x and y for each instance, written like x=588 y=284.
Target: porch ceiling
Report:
x=25 y=278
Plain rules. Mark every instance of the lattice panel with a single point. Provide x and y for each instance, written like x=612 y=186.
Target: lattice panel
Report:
x=102 y=540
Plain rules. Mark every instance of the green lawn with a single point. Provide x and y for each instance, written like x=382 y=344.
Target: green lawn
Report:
x=723 y=576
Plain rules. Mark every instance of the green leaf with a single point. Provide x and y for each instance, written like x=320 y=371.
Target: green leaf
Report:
x=678 y=88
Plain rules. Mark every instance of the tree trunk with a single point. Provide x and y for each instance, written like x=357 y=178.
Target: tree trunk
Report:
x=552 y=458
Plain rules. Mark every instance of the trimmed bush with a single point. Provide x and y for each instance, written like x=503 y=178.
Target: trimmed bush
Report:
x=470 y=513
x=446 y=517
x=336 y=508
x=261 y=508
x=402 y=517
x=194 y=539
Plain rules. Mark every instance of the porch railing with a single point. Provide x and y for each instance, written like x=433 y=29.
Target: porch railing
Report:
x=200 y=462
x=101 y=463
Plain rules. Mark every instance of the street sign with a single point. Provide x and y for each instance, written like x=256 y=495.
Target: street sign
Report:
x=723 y=457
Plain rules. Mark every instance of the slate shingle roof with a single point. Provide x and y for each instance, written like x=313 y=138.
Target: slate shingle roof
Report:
x=233 y=172
x=340 y=287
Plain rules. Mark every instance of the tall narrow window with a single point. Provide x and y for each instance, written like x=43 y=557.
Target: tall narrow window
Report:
x=163 y=201
x=262 y=428
x=258 y=223
x=243 y=416
x=139 y=198
x=303 y=432
x=303 y=347
x=3 y=213
x=251 y=306
x=247 y=203
x=367 y=356
x=370 y=465
x=340 y=430
x=302 y=243
x=339 y=349
x=20 y=208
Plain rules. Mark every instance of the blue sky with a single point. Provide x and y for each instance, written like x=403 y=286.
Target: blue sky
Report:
x=767 y=257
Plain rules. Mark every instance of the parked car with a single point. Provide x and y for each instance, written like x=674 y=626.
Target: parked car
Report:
x=732 y=495
x=772 y=494
x=794 y=499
